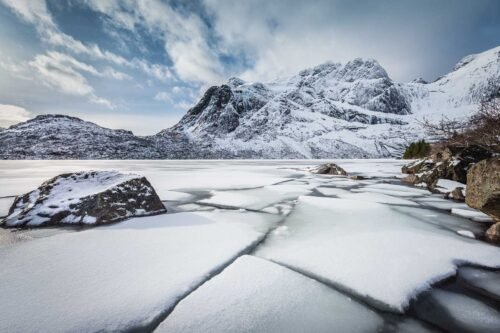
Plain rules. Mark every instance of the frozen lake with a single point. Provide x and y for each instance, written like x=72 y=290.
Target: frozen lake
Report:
x=253 y=246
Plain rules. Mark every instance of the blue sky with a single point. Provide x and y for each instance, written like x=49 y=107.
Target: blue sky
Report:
x=140 y=64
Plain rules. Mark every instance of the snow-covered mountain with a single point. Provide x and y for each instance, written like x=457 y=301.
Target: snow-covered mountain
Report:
x=332 y=110
x=64 y=137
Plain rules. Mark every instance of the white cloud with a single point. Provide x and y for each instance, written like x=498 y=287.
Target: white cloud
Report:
x=183 y=105
x=163 y=97
x=63 y=73
x=184 y=35
x=408 y=38
x=12 y=114
x=112 y=73
x=36 y=13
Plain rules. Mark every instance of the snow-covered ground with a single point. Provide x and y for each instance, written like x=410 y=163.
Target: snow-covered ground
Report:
x=249 y=246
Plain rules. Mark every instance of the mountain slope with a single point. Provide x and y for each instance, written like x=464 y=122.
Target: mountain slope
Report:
x=332 y=110
x=329 y=111
x=64 y=137
x=315 y=114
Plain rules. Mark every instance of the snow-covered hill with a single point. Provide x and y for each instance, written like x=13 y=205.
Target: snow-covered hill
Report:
x=64 y=137
x=329 y=111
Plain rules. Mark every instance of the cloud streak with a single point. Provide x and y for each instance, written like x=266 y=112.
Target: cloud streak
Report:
x=36 y=13
x=63 y=73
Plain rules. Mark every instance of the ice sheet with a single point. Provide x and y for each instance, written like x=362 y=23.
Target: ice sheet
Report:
x=254 y=295
x=5 y=204
x=442 y=219
x=440 y=203
x=175 y=196
x=472 y=214
x=481 y=280
x=258 y=198
x=121 y=276
x=395 y=193
x=377 y=197
x=365 y=247
x=398 y=188
x=331 y=191
x=456 y=312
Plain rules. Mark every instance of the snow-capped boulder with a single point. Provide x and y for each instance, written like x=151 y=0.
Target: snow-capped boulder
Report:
x=329 y=169
x=84 y=198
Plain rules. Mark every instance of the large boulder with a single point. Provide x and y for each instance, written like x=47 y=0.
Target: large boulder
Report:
x=84 y=198
x=329 y=169
x=483 y=187
x=483 y=193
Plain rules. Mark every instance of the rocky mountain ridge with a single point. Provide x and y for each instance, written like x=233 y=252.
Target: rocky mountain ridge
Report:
x=332 y=110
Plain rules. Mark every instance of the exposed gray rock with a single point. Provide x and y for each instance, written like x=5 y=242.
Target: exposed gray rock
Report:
x=457 y=194
x=329 y=169
x=85 y=198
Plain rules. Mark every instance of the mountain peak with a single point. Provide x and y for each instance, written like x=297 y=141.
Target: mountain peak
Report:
x=234 y=82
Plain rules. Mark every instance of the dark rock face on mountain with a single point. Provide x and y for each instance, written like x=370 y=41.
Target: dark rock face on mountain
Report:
x=296 y=117
x=85 y=198
x=333 y=110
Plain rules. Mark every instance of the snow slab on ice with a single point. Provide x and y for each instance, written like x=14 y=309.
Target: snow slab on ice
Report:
x=331 y=191
x=118 y=277
x=481 y=280
x=466 y=233
x=402 y=194
x=220 y=178
x=366 y=247
x=377 y=197
x=447 y=185
x=472 y=214
x=442 y=219
x=175 y=196
x=440 y=203
x=398 y=188
x=255 y=295
x=257 y=198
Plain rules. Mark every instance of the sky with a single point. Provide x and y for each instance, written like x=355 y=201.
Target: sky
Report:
x=141 y=64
